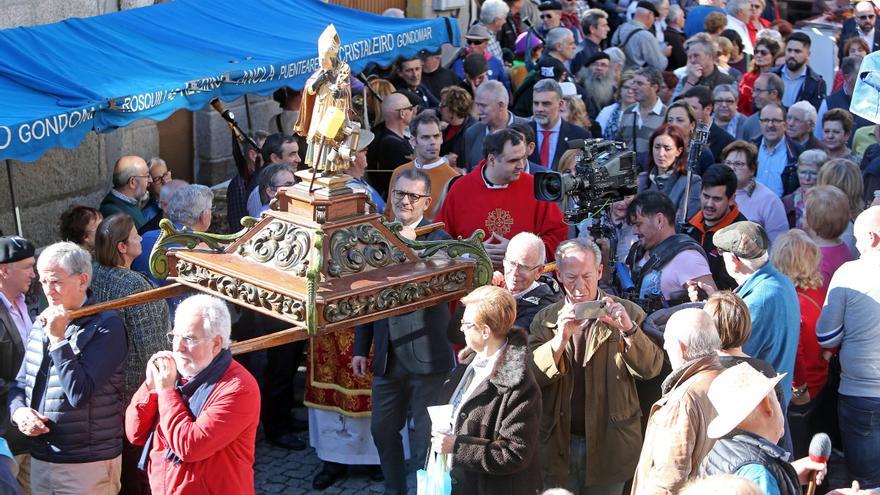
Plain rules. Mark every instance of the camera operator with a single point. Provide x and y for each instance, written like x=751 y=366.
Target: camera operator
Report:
x=663 y=262
x=587 y=371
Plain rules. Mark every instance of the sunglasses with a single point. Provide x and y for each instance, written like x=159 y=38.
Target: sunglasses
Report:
x=475 y=42
x=866 y=17
x=546 y=16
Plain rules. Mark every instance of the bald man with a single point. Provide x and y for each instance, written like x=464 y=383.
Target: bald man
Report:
x=131 y=178
x=849 y=319
x=391 y=148
x=676 y=440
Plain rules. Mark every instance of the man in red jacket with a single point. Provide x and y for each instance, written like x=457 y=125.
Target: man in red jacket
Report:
x=197 y=412
x=498 y=197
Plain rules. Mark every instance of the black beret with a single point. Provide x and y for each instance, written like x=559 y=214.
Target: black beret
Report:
x=14 y=248
x=597 y=57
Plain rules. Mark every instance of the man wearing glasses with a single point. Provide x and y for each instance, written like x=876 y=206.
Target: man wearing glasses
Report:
x=411 y=354
x=725 y=114
x=67 y=397
x=159 y=175
x=478 y=40
x=862 y=25
x=768 y=89
x=131 y=178
x=523 y=263
x=197 y=412
x=777 y=153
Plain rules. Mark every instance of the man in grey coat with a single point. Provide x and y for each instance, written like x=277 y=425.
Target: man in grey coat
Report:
x=638 y=42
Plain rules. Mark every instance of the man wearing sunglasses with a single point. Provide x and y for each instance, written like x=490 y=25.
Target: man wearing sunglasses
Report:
x=478 y=41
x=862 y=24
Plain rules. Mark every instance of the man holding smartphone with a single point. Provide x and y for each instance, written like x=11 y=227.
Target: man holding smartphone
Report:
x=587 y=371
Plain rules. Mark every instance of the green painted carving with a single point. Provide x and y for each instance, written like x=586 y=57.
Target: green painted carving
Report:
x=313 y=278
x=393 y=297
x=353 y=248
x=453 y=248
x=170 y=237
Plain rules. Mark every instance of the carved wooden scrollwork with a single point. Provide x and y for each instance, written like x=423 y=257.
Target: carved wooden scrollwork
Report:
x=285 y=244
x=241 y=291
x=352 y=249
x=394 y=296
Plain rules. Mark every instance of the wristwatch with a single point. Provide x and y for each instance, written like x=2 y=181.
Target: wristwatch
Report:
x=632 y=331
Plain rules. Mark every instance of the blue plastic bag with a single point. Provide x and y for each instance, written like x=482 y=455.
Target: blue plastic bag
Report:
x=434 y=479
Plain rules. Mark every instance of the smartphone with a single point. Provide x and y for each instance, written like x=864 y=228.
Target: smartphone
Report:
x=589 y=310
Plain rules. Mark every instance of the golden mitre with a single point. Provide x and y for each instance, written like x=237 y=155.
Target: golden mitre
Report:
x=328 y=42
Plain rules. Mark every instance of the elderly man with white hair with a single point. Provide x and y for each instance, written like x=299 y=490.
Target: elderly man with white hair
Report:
x=676 y=441
x=523 y=263
x=197 y=412
x=68 y=394
x=190 y=208
x=800 y=124
x=493 y=15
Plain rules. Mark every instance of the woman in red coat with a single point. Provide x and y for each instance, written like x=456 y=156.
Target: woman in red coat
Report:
x=798 y=257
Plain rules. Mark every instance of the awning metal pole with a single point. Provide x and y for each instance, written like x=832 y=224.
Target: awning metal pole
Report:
x=15 y=211
x=247 y=112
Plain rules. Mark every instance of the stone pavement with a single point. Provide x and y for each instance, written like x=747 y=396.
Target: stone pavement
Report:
x=284 y=471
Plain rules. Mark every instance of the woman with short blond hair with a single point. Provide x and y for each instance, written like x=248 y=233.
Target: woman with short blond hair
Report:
x=731 y=317
x=492 y=440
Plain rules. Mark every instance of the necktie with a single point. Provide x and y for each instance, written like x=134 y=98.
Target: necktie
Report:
x=545 y=149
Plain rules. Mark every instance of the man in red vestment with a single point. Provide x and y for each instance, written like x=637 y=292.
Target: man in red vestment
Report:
x=498 y=197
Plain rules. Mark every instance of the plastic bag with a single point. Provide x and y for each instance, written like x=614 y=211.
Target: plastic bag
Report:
x=434 y=479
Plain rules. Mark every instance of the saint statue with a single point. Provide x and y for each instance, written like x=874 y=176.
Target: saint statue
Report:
x=325 y=110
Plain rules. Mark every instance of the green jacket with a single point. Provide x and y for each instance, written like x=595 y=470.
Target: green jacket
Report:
x=613 y=417
x=111 y=205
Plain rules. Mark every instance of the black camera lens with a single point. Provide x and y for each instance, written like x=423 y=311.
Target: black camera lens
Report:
x=548 y=186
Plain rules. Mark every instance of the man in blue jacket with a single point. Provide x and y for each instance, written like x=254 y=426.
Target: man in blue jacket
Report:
x=801 y=82
x=770 y=297
x=68 y=393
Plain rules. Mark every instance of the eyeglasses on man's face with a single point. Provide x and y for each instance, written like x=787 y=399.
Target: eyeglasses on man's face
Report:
x=413 y=197
x=187 y=340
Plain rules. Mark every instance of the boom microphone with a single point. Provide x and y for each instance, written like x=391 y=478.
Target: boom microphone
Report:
x=820 y=451
x=229 y=117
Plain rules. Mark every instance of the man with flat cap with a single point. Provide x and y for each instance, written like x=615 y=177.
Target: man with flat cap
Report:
x=770 y=297
x=636 y=39
x=16 y=274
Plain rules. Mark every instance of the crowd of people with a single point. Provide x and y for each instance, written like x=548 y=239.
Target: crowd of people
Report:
x=693 y=337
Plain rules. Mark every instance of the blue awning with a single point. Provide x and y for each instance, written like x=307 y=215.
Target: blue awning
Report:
x=62 y=80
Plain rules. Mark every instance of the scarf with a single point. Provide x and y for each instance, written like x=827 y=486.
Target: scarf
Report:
x=571 y=21
x=194 y=393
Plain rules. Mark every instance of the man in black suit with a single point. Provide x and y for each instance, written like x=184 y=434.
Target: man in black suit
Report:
x=16 y=274
x=862 y=24
x=551 y=131
x=411 y=354
x=701 y=99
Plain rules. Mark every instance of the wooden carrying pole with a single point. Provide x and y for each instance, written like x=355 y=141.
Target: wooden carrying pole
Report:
x=146 y=296
x=274 y=339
